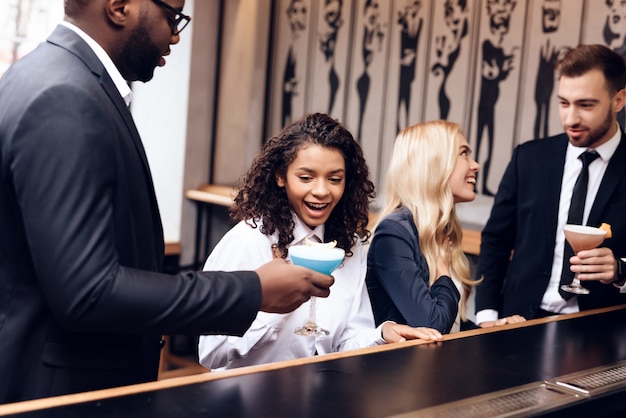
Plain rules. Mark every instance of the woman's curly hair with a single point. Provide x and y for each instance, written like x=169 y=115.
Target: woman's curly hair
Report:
x=259 y=195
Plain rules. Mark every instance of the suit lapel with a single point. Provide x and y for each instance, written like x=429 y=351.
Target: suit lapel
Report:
x=69 y=40
x=120 y=104
x=554 y=179
x=614 y=173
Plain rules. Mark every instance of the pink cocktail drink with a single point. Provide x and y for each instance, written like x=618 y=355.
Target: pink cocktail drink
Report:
x=581 y=237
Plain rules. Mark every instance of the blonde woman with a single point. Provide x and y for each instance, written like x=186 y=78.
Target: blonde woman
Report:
x=416 y=248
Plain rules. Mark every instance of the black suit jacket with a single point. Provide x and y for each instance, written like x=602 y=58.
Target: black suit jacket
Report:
x=82 y=305
x=524 y=220
x=398 y=278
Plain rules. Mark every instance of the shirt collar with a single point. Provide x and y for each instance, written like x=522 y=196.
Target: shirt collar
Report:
x=109 y=66
x=605 y=150
x=302 y=231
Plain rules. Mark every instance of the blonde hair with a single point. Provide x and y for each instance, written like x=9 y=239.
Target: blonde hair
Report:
x=424 y=156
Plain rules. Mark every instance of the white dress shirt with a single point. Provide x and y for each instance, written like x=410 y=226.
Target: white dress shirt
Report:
x=346 y=313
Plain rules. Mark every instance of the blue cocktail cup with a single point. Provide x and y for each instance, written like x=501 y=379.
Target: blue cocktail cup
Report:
x=321 y=258
x=317 y=257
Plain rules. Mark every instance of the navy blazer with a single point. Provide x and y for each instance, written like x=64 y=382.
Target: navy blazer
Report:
x=82 y=305
x=523 y=220
x=397 y=278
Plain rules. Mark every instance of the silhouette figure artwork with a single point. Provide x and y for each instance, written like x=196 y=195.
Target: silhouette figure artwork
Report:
x=410 y=27
x=372 y=34
x=496 y=66
x=615 y=36
x=328 y=42
x=549 y=55
x=448 y=48
x=296 y=15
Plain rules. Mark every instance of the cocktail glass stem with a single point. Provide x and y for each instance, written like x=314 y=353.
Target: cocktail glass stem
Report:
x=312 y=310
x=575 y=287
x=311 y=327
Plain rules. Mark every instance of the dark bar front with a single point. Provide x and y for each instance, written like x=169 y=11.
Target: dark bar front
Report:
x=399 y=381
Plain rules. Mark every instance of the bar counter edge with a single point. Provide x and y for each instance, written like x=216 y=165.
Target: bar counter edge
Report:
x=76 y=398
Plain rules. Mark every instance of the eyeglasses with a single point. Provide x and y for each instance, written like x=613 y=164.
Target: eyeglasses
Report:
x=180 y=21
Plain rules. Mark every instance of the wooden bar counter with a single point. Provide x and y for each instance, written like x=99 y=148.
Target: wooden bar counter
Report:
x=408 y=378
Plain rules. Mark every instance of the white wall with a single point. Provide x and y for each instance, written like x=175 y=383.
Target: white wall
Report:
x=160 y=110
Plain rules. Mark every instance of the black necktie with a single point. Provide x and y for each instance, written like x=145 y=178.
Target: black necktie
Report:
x=575 y=216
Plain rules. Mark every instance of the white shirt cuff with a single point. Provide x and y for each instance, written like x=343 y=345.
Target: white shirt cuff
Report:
x=379 y=332
x=486 y=315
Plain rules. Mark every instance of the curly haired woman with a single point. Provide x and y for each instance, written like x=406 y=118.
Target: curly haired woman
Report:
x=309 y=182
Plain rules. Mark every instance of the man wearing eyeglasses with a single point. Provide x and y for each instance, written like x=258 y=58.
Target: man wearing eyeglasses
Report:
x=82 y=302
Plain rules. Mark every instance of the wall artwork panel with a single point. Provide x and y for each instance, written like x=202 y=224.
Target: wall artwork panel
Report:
x=496 y=88
x=289 y=69
x=368 y=76
x=604 y=22
x=451 y=63
x=555 y=29
x=409 y=29
x=326 y=91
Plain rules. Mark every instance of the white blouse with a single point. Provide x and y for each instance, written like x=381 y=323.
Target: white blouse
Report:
x=346 y=313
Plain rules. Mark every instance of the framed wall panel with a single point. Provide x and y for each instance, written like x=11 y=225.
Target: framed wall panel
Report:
x=409 y=31
x=451 y=64
x=555 y=28
x=290 y=62
x=368 y=76
x=330 y=53
x=604 y=22
x=496 y=88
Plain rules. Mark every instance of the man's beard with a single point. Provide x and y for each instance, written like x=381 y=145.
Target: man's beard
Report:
x=139 y=54
x=594 y=135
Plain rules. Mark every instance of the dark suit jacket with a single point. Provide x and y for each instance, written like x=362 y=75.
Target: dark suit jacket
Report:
x=524 y=220
x=82 y=305
x=397 y=278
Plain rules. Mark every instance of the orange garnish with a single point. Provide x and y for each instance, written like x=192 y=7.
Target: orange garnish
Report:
x=607 y=228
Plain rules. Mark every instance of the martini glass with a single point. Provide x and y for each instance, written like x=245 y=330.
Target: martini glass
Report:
x=321 y=258
x=581 y=237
